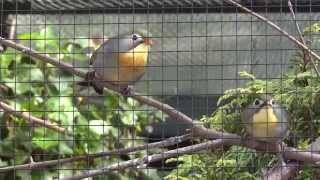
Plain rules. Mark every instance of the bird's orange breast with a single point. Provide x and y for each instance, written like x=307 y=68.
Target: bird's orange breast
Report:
x=132 y=64
x=135 y=58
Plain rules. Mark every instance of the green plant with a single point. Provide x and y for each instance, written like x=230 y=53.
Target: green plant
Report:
x=298 y=90
x=94 y=124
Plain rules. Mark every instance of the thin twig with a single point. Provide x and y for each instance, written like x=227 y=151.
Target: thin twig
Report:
x=305 y=52
x=12 y=26
x=31 y=119
x=276 y=27
x=148 y=159
x=44 y=164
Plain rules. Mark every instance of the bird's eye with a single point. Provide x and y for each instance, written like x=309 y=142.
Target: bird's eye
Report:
x=134 y=37
x=272 y=102
x=257 y=102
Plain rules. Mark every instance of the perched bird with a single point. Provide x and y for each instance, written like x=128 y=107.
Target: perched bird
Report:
x=266 y=120
x=120 y=61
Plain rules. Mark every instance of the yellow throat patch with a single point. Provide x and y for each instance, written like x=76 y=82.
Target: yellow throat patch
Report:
x=264 y=123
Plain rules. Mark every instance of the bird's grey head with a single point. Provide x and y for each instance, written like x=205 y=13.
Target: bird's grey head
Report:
x=263 y=100
x=133 y=40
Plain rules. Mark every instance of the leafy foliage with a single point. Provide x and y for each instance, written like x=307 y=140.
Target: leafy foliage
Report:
x=298 y=90
x=94 y=124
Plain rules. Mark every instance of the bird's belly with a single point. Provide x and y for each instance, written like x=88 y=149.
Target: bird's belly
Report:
x=266 y=126
x=123 y=75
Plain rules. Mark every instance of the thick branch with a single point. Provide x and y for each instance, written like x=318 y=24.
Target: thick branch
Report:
x=283 y=173
x=43 y=164
x=31 y=119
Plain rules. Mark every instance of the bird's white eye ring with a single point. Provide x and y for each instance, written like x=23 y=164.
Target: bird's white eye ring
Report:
x=134 y=37
x=257 y=102
x=272 y=102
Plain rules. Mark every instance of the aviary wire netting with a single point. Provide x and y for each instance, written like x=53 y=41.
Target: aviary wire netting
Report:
x=158 y=89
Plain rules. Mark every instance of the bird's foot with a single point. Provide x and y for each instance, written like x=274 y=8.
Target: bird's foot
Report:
x=127 y=91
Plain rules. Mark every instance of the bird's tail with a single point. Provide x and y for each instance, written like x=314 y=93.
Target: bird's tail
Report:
x=89 y=81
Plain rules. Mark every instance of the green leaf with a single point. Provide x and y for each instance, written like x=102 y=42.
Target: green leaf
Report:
x=246 y=74
x=99 y=127
x=46 y=142
x=65 y=149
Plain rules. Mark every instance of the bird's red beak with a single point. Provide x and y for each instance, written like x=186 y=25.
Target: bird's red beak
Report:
x=148 y=41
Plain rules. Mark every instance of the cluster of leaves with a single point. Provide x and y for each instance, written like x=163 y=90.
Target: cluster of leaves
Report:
x=93 y=124
x=298 y=90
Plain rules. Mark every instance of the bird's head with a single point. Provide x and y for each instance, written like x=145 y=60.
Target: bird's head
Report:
x=142 y=36
x=263 y=101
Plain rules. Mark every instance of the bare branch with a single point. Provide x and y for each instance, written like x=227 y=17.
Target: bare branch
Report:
x=39 y=165
x=276 y=27
x=149 y=159
x=198 y=130
x=47 y=59
x=279 y=172
x=305 y=52
x=283 y=173
x=290 y=153
x=31 y=119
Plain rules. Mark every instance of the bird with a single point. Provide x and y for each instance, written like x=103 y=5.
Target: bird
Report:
x=120 y=60
x=267 y=121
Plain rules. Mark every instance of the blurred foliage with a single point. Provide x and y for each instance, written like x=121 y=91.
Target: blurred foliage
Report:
x=94 y=123
x=298 y=90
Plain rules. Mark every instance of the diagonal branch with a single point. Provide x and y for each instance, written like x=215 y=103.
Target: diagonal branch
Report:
x=198 y=130
x=40 y=165
x=31 y=119
x=306 y=54
x=276 y=27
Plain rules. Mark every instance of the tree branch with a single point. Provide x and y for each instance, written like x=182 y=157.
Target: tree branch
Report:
x=306 y=54
x=290 y=153
x=198 y=130
x=149 y=159
x=276 y=27
x=31 y=119
x=39 y=165
x=283 y=173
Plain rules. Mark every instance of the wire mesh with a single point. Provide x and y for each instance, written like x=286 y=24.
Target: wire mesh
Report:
x=199 y=110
